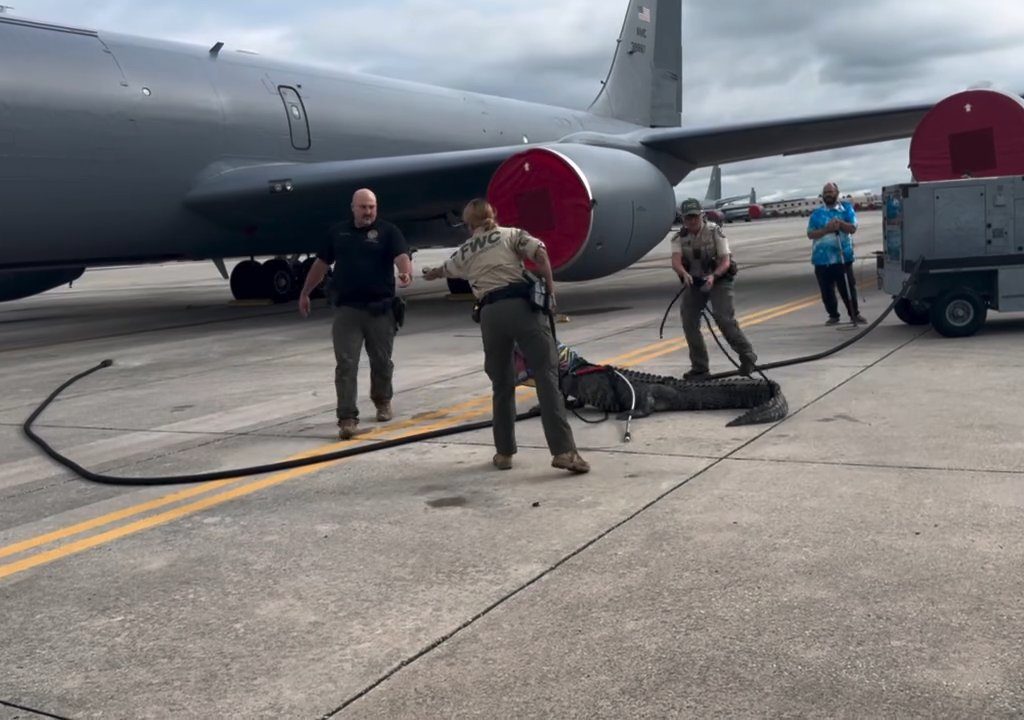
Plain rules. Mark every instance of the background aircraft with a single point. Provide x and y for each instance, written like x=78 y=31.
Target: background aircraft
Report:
x=724 y=210
x=116 y=149
x=786 y=207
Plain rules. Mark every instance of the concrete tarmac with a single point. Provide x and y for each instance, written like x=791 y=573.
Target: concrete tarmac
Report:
x=861 y=558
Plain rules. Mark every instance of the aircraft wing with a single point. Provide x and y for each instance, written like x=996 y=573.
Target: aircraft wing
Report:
x=701 y=147
x=413 y=187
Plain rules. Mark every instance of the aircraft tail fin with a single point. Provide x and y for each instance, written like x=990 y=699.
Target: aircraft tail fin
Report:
x=644 y=85
x=714 y=193
x=753 y=196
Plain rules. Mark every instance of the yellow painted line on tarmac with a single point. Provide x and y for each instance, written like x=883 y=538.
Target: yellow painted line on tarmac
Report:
x=187 y=493
x=238 y=491
x=679 y=343
x=445 y=418
x=109 y=518
x=751 y=319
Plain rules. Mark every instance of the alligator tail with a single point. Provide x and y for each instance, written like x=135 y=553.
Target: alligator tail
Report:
x=773 y=409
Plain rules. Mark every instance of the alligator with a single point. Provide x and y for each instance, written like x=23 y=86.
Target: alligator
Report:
x=612 y=389
x=609 y=388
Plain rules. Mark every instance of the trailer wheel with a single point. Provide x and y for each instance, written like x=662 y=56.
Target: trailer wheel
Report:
x=958 y=313
x=910 y=312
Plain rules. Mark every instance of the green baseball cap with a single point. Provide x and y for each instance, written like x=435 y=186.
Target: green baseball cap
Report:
x=690 y=206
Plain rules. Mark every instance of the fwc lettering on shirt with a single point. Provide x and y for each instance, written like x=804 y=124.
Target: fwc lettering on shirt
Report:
x=492 y=258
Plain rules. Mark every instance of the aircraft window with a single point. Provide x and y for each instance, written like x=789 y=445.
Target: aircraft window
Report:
x=147 y=92
x=296 y=113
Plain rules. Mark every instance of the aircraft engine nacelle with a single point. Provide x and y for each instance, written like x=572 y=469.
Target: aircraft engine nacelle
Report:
x=755 y=211
x=597 y=209
x=17 y=284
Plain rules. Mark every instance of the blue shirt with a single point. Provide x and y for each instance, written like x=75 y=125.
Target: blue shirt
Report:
x=825 y=250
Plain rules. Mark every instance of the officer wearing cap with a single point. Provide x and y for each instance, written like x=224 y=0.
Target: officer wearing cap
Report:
x=701 y=258
x=492 y=261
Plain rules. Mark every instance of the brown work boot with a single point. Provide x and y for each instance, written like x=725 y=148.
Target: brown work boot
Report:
x=502 y=462
x=384 y=412
x=348 y=429
x=570 y=461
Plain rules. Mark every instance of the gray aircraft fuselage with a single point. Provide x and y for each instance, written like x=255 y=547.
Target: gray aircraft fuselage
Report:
x=91 y=120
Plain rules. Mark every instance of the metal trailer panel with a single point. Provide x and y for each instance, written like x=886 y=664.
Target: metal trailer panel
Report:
x=1010 y=289
x=969 y=231
x=959 y=226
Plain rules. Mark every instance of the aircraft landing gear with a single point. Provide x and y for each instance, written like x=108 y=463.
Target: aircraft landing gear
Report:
x=458 y=286
x=279 y=279
x=282 y=281
x=247 y=280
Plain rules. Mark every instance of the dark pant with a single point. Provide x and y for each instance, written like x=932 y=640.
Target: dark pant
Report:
x=722 y=310
x=503 y=325
x=831 y=277
x=352 y=327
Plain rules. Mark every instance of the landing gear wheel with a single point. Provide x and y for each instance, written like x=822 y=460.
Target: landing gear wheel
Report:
x=910 y=312
x=458 y=286
x=247 y=280
x=958 y=313
x=281 y=282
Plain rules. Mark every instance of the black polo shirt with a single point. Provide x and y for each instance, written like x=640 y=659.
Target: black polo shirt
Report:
x=363 y=260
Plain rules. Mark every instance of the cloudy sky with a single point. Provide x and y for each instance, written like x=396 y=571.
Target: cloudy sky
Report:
x=742 y=60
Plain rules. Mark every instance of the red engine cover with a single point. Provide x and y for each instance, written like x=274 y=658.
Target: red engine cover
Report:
x=755 y=211
x=545 y=194
x=977 y=133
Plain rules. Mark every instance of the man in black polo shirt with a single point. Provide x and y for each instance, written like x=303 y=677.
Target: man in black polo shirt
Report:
x=364 y=252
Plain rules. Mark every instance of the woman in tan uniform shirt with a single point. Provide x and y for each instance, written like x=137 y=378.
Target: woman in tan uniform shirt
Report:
x=492 y=261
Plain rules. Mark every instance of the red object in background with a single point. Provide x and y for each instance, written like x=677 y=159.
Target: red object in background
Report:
x=544 y=193
x=755 y=211
x=977 y=133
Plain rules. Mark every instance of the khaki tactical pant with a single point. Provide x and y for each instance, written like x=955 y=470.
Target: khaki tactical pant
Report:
x=722 y=310
x=353 y=326
x=504 y=324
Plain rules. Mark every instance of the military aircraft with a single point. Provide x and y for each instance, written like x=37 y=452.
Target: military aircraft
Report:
x=724 y=210
x=118 y=150
x=743 y=207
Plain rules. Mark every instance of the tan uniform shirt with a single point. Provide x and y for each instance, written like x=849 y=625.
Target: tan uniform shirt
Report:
x=701 y=252
x=492 y=259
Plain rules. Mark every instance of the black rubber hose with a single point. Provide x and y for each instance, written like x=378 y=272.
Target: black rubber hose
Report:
x=907 y=285
x=91 y=476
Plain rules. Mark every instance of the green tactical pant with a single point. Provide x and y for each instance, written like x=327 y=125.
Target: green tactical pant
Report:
x=503 y=325
x=352 y=327
x=722 y=310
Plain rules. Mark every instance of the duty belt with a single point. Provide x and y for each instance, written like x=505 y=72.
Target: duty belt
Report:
x=516 y=290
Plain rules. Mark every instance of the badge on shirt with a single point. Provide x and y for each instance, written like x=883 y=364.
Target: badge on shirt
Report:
x=372 y=235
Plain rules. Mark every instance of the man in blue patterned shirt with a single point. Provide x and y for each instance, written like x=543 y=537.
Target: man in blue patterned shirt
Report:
x=831 y=230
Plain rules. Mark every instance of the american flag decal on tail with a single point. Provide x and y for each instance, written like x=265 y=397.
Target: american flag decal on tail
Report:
x=645 y=13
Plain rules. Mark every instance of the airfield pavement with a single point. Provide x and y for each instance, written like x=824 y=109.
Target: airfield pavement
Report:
x=861 y=558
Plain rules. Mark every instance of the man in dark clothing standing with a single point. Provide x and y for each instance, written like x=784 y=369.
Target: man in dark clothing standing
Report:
x=364 y=252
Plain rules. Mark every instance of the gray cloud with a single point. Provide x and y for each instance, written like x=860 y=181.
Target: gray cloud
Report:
x=742 y=61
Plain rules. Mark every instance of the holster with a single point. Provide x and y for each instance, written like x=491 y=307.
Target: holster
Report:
x=398 y=310
x=540 y=299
